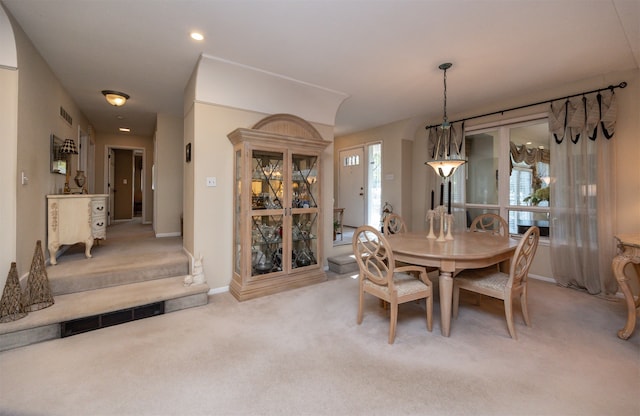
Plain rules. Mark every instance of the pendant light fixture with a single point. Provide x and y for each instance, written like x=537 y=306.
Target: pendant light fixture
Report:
x=444 y=164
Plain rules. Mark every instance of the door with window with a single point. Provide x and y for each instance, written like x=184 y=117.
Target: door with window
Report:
x=351 y=191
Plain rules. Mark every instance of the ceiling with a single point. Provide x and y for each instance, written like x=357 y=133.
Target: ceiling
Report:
x=383 y=54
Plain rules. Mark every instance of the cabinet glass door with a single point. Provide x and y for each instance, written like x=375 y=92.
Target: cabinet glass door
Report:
x=267 y=220
x=304 y=210
x=266 y=244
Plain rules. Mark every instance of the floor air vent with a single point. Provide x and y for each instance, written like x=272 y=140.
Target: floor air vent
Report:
x=91 y=323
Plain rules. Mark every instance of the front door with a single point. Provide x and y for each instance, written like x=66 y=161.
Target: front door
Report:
x=351 y=192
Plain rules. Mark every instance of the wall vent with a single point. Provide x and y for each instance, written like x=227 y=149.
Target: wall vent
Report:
x=66 y=116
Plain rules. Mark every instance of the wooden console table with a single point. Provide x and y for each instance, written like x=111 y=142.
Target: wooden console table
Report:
x=628 y=252
x=75 y=219
x=338 y=213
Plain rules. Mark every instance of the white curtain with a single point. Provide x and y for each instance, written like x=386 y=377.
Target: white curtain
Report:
x=582 y=192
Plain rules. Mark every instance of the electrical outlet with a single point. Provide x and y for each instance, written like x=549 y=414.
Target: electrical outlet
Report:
x=211 y=181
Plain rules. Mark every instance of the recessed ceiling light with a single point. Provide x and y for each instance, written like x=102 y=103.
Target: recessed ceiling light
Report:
x=528 y=143
x=197 y=36
x=125 y=129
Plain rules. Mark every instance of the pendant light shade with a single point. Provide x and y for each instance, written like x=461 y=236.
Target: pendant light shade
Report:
x=445 y=168
x=444 y=164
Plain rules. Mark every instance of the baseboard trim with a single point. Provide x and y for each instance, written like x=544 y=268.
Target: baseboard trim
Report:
x=161 y=235
x=543 y=278
x=217 y=290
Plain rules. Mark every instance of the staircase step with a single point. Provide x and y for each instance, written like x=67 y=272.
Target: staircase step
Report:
x=45 y=324
x=343 y=264
x=101 y=273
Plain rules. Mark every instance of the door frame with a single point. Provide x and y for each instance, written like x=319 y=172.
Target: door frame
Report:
x=106 y=183
x=365 y=174
x=361 y=147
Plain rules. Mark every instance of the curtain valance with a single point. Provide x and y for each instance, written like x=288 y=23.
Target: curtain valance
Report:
x=522 y=153
x=583 y=116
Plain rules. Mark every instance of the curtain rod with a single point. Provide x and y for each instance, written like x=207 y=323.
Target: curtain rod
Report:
x=623 y=84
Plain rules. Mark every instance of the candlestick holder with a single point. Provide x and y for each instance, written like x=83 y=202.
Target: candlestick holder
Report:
x=440 y=213
x=449 y=219
x=430 y=215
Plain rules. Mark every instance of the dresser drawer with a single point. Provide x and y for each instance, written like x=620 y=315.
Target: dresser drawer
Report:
x=98 y=207
x=99 y=226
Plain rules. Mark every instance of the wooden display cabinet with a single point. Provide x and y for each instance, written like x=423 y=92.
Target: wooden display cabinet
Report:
x=277 y=198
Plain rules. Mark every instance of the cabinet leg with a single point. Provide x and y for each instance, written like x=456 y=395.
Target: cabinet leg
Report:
x=87 y=247
x=53 y=250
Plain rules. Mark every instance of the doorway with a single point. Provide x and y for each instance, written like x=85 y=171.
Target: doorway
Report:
x=125 y=185
x=360 y=189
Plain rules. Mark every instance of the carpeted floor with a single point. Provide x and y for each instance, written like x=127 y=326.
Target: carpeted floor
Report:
x=301 y=353
x=345 y=239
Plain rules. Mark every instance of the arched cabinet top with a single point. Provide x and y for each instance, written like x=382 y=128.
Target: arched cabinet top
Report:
x=288 y=125
x=279 y=127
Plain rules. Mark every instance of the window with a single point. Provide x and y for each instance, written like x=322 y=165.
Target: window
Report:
x=352 y=160
x=507 y=173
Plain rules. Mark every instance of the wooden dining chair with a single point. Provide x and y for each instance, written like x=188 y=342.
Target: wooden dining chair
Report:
x=394 y=224
x=379 y=277
x=491 y=223
x=505 y=286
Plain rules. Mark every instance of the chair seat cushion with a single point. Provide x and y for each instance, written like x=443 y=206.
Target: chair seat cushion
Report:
x=485 y=278
x=404 y=283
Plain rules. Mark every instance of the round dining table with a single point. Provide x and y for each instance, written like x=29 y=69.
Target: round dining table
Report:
x=467 y=250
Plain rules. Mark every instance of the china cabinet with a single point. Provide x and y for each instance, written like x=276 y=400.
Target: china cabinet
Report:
x=277 y=198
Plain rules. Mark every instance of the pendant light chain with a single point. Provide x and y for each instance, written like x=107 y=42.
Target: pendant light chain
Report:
x=445 y=122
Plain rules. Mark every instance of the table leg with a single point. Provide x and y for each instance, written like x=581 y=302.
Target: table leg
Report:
x=619 y=262
x=446 y=296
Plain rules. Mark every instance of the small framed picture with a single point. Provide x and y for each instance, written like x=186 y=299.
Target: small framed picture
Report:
x=187 y=153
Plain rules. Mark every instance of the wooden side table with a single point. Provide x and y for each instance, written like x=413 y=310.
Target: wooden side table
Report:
x=338 y=213
x=628 y=252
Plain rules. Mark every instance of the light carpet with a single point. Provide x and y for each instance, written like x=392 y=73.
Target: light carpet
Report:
x=301 y=353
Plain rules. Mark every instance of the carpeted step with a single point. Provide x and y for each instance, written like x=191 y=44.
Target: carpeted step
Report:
x=97 y=273
x=46 y=323
x=343 y=264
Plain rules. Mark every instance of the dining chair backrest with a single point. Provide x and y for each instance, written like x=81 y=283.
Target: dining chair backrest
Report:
x=394 y=224
x=491 y=223
x=374 y=260
x=522 y=258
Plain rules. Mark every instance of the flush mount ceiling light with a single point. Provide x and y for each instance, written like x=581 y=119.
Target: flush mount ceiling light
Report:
x=197 y=36
x=115 y=98
x=444 y=164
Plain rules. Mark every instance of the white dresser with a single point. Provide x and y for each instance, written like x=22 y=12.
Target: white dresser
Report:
x=75 y=219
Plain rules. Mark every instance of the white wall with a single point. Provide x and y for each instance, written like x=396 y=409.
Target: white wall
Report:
x=169 y=157
x=40 y=96
x=8 y=158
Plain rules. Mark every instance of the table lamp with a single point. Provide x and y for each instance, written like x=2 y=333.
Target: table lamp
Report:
x=67 y=149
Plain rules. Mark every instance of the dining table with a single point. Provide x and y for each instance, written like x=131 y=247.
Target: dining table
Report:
x=467 y=250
